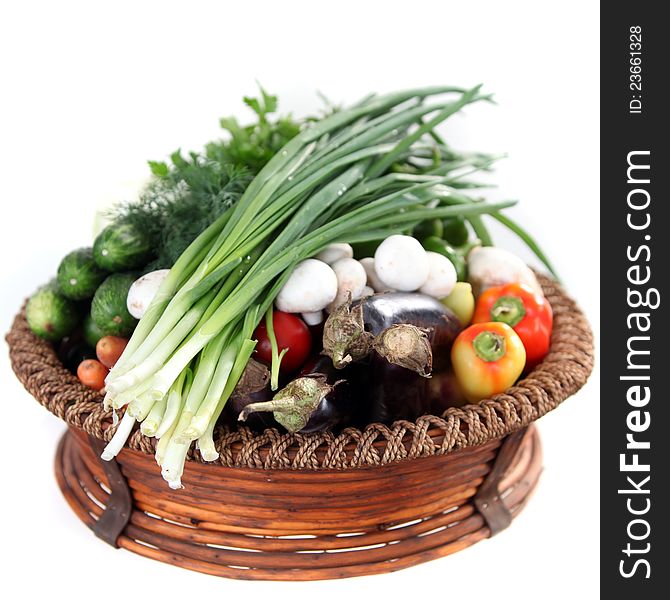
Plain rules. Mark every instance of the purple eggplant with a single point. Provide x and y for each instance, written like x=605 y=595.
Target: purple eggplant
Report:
x=394 y=393
x=444 y=392
x=319 y=400
x=253 y=386
x=407 y=329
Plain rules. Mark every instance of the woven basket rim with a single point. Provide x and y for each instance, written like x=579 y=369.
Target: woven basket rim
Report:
x=563 y=372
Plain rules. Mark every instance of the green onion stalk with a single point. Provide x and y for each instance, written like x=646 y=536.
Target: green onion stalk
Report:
x=344 y=178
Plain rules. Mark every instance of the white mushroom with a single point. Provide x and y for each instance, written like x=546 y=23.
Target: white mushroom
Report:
x=351 y=279
x=331 y=254
x=373 y=281
x=311 y=287
x=367 y=291
x=142 y=292
x=401 y=263
x=312 y=318
x=489 y=267
x=441 y=276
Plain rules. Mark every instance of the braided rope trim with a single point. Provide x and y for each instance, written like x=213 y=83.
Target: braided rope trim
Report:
x=563 y=372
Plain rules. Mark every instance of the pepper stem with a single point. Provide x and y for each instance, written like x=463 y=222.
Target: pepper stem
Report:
x=509 y=310
x=489 y=346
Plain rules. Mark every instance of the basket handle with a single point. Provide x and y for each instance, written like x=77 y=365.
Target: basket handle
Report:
x=117 y=512
x=487 y=499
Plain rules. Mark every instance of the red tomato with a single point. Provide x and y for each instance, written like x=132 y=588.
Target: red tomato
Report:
x=292 y=333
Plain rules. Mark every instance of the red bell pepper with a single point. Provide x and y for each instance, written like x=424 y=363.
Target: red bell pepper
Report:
x=526 y=311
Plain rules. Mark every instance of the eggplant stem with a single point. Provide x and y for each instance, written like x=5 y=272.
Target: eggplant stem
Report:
x=277 y=404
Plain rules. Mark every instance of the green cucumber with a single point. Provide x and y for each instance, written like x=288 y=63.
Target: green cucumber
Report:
x=121 y=247
x=108 y=308
x=92 y=333
x=79 y=275
x=51 y=315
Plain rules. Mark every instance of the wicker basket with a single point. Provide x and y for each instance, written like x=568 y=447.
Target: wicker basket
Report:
x=321 y=506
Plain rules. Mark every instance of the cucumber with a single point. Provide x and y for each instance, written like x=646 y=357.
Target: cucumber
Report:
x=51 y=315
x=121 y=247
x=108 y=308
x=78 y=274
x=92 y=333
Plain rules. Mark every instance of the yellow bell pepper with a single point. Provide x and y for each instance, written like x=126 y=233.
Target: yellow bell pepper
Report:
x=487 y=359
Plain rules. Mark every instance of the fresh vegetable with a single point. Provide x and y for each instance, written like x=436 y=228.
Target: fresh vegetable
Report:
x=312 y=318
x=190 y=192
x=444 y=392
x=455 y=231
x=92 y=374
x=435 y=244
x=487 y=359
x=253 y=386
x=310 y=403
x=108 y=307
x=401 y=263
x=372 y=279
x=79 y=275
x=490 y=267
x=392 y=392
x=109 y=349
x=428 y=228
x=361 y=174
x=121 y=247
x=92 y=333
x=351 y=279
x=526 y=311
x=441 y=276
x=253 y=146
x=353 y=330
x=143 y=290
x=334 y=252
x=461 y=302
x=51 y=315
x=292 y=335
x=311 y=286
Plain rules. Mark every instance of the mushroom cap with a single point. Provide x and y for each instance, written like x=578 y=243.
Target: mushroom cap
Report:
x=334 y=252
x=373 y=280
x=311 y=287
x=442 y=276
x=490 y=266
x=401 y=263
x=351 y=279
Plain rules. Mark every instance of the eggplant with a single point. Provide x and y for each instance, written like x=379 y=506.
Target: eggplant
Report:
x=253 y=387
x=407 y=329
x=394 y=393
x=316 y=401
x=444 y=392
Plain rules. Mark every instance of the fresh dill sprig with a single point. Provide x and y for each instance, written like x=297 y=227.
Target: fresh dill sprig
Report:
x=190 y=192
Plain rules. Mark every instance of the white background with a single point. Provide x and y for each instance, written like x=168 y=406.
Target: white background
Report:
x=92 y=90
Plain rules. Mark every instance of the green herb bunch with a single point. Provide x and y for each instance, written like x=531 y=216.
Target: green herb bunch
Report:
x=190 y=192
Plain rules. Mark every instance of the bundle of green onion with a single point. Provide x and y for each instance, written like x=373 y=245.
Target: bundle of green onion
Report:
x=336 y=181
